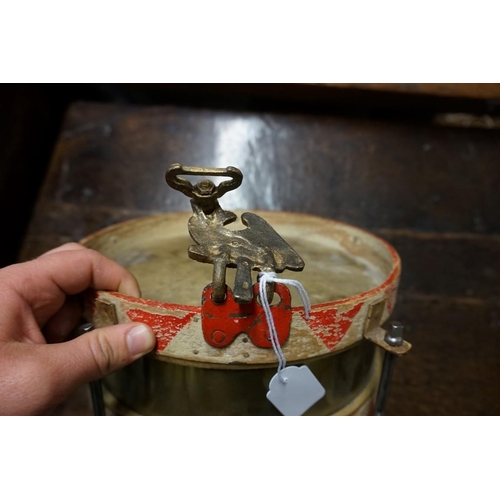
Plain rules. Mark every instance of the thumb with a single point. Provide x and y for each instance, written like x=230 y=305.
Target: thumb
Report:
x=100 y=352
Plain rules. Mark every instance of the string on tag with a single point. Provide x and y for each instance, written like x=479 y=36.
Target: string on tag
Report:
x=270 y=277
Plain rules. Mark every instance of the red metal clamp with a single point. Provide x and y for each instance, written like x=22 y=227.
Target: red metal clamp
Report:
x=223 y=322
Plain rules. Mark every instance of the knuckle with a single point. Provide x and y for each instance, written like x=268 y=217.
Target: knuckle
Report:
x=102 y=353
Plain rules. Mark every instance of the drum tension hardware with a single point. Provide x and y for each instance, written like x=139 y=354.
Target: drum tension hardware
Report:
x=225 y=312
x=393 y=338
x=393 y=344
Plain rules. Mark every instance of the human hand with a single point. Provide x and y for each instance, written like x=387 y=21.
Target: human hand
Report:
x=39 y=366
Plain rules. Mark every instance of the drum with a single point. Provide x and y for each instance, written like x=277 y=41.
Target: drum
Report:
x=351 y=277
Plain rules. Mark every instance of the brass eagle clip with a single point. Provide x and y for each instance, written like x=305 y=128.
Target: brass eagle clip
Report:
x=258 y=247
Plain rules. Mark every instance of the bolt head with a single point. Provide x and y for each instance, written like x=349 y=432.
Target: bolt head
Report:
x=205 y=187
x=394 y=336
x=218 y=336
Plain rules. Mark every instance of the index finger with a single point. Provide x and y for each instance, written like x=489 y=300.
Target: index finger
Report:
x=70 y=272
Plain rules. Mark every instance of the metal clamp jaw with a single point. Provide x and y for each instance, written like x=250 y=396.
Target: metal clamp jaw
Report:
x=226 y=313
x=258 y=247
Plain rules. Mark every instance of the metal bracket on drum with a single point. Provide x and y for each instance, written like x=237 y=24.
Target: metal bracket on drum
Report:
x=376 y=334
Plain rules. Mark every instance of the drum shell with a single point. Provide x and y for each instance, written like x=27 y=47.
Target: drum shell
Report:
x=156 y=386
x=188 y=378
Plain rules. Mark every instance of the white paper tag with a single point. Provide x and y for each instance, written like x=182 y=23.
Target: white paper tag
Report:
x=301 y=390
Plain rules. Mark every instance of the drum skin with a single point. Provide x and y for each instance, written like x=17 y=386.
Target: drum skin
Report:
x=348 y=271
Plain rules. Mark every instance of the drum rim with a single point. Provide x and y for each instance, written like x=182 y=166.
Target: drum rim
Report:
x=393 y=275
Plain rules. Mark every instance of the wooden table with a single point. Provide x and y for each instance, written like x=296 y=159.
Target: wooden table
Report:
x=431 y=191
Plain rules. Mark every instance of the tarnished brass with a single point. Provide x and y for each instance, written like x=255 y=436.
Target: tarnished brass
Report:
x=154 y=386
x=258 y=247
x=205 y=193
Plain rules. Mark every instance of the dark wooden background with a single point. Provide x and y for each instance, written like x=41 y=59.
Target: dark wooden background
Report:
x=370 y=156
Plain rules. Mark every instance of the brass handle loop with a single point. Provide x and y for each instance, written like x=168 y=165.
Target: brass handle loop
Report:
x=203 y=188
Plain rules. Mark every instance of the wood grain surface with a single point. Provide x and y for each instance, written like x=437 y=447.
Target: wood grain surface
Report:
x=471 y=90
x=430 y=191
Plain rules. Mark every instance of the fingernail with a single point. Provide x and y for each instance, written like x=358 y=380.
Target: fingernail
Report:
x=140 y=340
